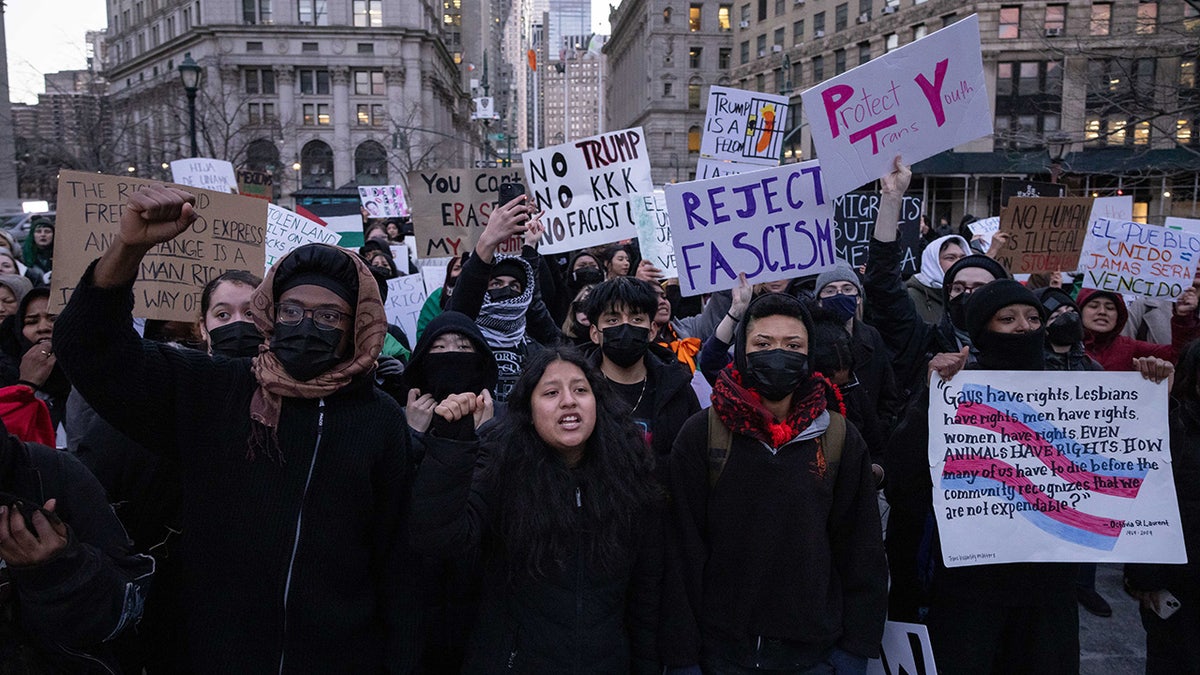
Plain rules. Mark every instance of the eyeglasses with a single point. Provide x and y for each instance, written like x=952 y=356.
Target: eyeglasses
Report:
x=291 y=314
x=830 y=291
x=957 y=288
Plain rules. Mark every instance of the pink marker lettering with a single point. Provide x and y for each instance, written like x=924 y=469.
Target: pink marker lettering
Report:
x=873 y=132
x=933 y=92
x=834 y=97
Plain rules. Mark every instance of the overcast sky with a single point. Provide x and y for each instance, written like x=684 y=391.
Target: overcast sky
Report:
x=46 y=36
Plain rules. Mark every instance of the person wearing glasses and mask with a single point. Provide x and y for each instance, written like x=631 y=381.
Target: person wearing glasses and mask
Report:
x=295 y=467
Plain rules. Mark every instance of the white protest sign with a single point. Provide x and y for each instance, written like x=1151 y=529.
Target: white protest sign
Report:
x=923 y=98
x=202 y=172
x=287 y=231
x=712 y=168
x=1052 y=467
x=383 y=201
x=897 y=652
x=771 y=224
x=585 y=188
x=1113 y=208
x=984 y=228
x=654 y=232
x=434 y=276
x=1140 y=259
x=406 y=296
x=744 y=126
x=1185 y=224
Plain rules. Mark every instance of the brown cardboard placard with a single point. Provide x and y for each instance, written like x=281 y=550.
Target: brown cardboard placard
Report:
x=450 y=208
x=228 y=234
x=1046 y=233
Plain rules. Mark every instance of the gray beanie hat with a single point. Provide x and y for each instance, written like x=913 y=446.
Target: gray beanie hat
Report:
x=842 y=272
x=16 y=283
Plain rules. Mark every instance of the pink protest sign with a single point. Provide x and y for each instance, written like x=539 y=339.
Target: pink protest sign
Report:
x=921 y=99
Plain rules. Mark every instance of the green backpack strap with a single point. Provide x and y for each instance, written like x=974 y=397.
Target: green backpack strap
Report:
x=720 y=440
x=832 y=442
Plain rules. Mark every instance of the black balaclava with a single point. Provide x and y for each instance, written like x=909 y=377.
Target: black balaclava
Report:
x=446 y=373
x=1066 y=329
x=773 y=373
x=1005 y=351
x=508 y=267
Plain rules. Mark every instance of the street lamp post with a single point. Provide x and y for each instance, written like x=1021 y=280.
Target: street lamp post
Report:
x=1056 y=147
x=189 y=75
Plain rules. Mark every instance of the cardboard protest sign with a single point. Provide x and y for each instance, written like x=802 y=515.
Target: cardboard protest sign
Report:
x=202 y=172
x=228 y=233
x=923 y=98
x=654 y=232
x=1010 y=187
x=383 y=201
x=744 y=126
x=1052 y=467
x=984 y=228
x=905 y=648
x=771 y=224
x=255 y=184
x=450 y=208
x=854 y=216
x=287 y=231
x=1114 y=208
x=585 y=188
x=1149 y=260
x=406 y=295
x=712 y=168
x=1045 y=233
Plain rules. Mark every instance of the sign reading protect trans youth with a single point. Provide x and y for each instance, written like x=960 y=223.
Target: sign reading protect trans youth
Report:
x=771 y=224
x=586 y=188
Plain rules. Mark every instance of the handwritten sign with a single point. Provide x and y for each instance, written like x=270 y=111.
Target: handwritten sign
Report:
x=854 y=216
x=450 y=208
x=744 y=126
x=906 y=649
x=287 y=231
x=255 y=184
x=202 y=172
x=923 y=98
x=586 y=188
x=712 y=168
x=1149 y=260
x=984 y=229
x=654 y=232
x=406 y=295
x=1038 y=467
x=772 y=224
x=1114 y=208
x=229 y=233
x=1045 y=233
x=383 y=201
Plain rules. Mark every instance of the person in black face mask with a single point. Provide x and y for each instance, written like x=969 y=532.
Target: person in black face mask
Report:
x=776 y=522
x=1007 y=327
x=226 y=318
x=451 y=357
x=653 y=385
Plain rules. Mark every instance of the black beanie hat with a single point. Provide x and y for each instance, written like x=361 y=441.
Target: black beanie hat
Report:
x=320 y=265
x=1053 y=298
x=981 y=261
x=989 y=299
x=510 y=267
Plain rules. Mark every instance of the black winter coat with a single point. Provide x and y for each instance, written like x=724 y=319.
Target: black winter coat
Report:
x=674 y=400
x=295 y=564
x=92 y=590
x=575 y=619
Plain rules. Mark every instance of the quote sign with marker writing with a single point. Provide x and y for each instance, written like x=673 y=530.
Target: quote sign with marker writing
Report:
x=1052 y=467
x=771 y=224
x=229 y=233
x=586 y=188
x=923 y=98
x=1140 y=259
x=744 y=126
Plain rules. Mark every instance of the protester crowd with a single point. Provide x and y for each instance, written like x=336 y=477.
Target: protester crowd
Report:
x=569 y=468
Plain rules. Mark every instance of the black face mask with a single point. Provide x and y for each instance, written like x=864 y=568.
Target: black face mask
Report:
x=304 y=350
x=454 y=373
x=503 y=293
x=775 y=373
x=841 y=305
x=236 y=340
x=625 y=344
x=958 y=310
x=1012 y=351
x=1065 y=330
x=586 y=276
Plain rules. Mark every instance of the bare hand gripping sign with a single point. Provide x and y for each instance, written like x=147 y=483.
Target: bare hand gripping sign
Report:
x=771 y=224
x=1036 y=467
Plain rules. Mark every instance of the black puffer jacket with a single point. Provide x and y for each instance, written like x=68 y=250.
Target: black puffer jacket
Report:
x=575 y=619
x=91 y=591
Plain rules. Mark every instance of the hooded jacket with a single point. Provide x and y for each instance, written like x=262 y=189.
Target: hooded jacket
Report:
x=296 y=564
x=925 y=287
x=1116 y=352
x=416 y=375
x=673 y=398
x=87 y=594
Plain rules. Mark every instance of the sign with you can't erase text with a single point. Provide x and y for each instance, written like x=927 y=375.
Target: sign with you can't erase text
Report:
x=586 y=188
x=771 y=224
x=1038 y=467
x=228 y=234
x=1150 y=260
x=923 y=98
x=450 y=208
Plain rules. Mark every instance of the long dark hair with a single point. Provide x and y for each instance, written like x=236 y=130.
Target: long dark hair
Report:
x=538 y=515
